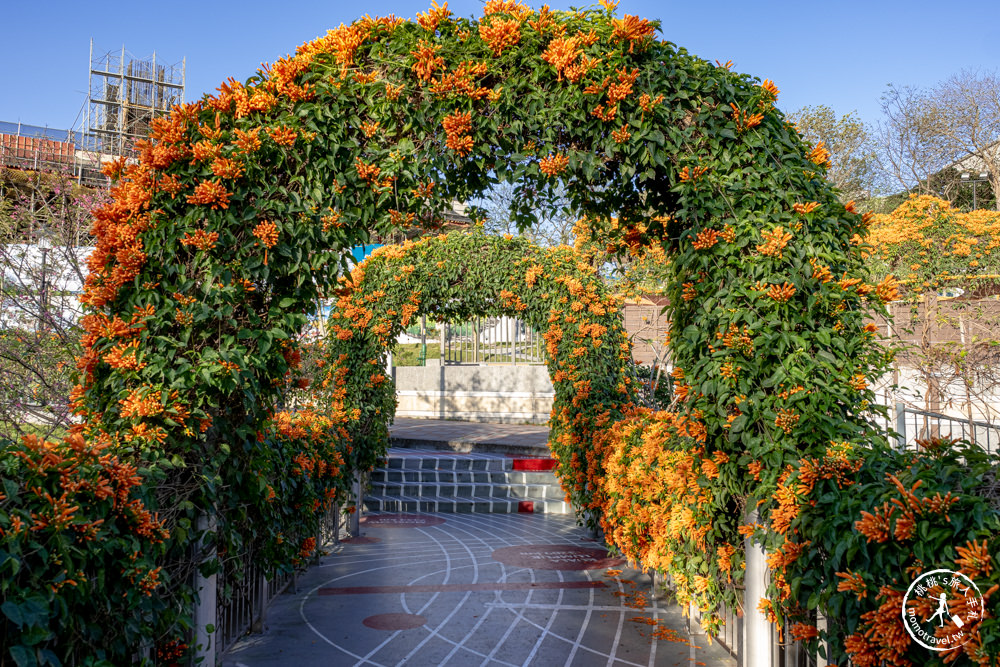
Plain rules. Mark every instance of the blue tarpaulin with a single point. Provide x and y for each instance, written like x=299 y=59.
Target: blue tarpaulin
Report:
x=361 y=251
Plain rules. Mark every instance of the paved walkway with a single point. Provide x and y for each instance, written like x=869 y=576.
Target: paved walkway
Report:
x=472 y=589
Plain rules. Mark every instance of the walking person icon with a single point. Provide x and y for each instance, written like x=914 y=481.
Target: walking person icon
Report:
x=942 y=610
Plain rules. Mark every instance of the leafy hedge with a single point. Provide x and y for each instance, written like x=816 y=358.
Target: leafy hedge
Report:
x=857 y=526
x=79 y=554
x=89 y=573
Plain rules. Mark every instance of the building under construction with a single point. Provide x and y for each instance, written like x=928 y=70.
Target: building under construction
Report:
x=125 y=93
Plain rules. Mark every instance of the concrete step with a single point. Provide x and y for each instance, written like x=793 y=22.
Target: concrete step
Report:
x=429 y=481
x=446 y=490
x=462 y=476
x=448 y=463
x=379 y=503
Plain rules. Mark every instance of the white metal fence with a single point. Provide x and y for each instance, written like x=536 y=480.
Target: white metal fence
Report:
x=228 y=609
x=491 y=340
x=912 y=425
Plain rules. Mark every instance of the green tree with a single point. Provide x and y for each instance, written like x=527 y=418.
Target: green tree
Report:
x=852 y=151
x=44 y=223
x=928 y=137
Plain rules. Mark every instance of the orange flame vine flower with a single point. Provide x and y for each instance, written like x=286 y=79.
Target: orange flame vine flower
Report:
x=210 y=193
x=781 y=293
x=774 y=242
x=691 y=174
x=820 y=155
x=705 y=239
x=457 y=126
x=500 y=34
x=267 y=232
x=786 y=420
x=621 y=135
x=561 y=52
x=553 y=164
x=430 y=20
x=512 y=7
x=631 y=28
x=201 y=239
x=427 y=62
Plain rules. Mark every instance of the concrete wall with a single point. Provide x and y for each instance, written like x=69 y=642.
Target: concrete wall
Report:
x=504 y=394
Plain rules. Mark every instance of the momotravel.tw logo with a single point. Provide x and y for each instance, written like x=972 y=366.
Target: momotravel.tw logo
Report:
x=939 y=609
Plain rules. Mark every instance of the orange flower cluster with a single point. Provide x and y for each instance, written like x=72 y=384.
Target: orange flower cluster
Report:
x=248 y=141
x=821 y=271
x=458 y=127
x=200 y=239
x=123 y=357
x=561 y=52
x=367 y=172
x=820 y=155
x=424 y=191
x=774 y=242
x=267 y=232
x=781 y=293
x=974 y=559
x=740 y=340
x=647 y=103
x=803 y=209
x=510 y=7
x=427 y=60
x=227 y=168
x=881 y=638
x=500 y=34
x=632 y=29
x=770 y=89
x=744 y=120
x=553 y=164
x=887 y=290
x=141 y=402
x=283 y=136
x=786 y=420
x=691 y=173
x=705 y=239
x=853 y=582
x=210 y=193
x=205 y=150
x=462 y=82
x=430 y=20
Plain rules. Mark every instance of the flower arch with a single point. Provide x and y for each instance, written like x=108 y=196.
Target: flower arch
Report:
x=461 y=275
x=234 y=223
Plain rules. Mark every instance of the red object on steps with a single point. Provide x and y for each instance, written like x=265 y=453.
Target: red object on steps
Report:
x=526 y=506
x=534 y=465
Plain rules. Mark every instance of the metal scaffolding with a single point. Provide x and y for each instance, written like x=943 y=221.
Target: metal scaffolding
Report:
x=125 y=94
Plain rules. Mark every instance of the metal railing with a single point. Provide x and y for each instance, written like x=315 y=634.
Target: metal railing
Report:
x=242 y=603
x=912 y=425
x=491 y=340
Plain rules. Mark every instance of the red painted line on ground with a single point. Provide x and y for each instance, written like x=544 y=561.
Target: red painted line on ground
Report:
x=460 y=588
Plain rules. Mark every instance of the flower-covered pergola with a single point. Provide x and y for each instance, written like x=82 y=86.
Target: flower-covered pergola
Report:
x=235 y=222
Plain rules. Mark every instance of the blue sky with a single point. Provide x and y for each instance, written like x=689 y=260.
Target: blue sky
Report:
x=841 y=54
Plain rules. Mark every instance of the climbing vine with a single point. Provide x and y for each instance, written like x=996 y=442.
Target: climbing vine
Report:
x=456 y=276
x=231 y=227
